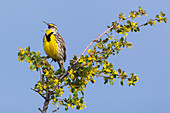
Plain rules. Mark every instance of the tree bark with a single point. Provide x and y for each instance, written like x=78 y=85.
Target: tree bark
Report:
x=45 y=107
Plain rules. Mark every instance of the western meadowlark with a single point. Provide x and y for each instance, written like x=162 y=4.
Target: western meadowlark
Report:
x=54 y=45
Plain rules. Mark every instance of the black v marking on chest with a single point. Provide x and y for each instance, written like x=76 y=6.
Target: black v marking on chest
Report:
x=48 y=36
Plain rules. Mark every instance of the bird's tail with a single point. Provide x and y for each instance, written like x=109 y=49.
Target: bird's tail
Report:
x=61 y=65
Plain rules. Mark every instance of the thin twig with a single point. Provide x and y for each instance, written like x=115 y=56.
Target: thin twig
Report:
x=40 y=110
x=55 y=110
x=38 y=93
x=60 y=99
x=63 y=85
x=93 y=42
x=40 y=74
x=145 y=23
x=103 y=76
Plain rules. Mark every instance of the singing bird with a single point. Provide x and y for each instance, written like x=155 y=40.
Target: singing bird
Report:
x=54 y=45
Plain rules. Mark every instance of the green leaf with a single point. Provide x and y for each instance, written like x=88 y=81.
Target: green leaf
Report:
x=128 y=22
x=108 y=26
x=58 y=72
x=120 y=14
x=106 y=40
x=138 y=29
x=82 y=93
x=110 y=82
x=78 y=107
x=157 y=16
x=33 y=66
x=61 y=103
x=66 y=108
x=165 y=20
x=106 y=80
x=92 y=81
x=162 y=14
x=28 y=48
x=121 y=82
x=75 y=93
x=119 y=70
x=27 y=58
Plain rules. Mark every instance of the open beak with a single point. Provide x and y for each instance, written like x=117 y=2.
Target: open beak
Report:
x=46 y=23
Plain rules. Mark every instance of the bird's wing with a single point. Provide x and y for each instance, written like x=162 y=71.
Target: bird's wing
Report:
x=63 y=46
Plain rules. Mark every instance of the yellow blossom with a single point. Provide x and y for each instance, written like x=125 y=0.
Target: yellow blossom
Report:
x=130 y=81
x=89 y=50
x=81 y=108
x=90 y=58
x=38 y=52
x=118 y=27
x=161 y=17
x=154 y=23
x=114 y=72
x=84 y=62
x=22 y=52
x=41 y=88
x=46 y=73
x=80 y=61
x=57 y=105
x=133 y=15
x=137 y=78
x=108 y=70
x=69 y=104
x=70 y=71
x=72 y=107
x=54 y=100
x=45 y=86
x=51 y=89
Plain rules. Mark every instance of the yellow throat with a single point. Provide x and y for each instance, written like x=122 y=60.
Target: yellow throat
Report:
x=50 y=44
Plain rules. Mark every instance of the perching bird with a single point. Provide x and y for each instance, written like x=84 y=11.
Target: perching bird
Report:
x=54 y=45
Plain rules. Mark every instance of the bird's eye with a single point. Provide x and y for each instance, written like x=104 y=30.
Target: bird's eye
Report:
x=50 y=26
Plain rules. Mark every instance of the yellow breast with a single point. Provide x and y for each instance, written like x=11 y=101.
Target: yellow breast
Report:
x=50 y=44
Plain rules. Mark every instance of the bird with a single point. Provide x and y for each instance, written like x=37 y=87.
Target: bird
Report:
x=54 y=45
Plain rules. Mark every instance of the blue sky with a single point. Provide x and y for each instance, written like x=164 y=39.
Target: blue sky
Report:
x=79 y=22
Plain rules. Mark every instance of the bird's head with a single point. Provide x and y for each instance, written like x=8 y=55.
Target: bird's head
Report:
x=52 y=26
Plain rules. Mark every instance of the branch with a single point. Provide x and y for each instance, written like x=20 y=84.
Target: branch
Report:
x=46 y=103
x=38 y=93
x=105 y=32
x=66 y=72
